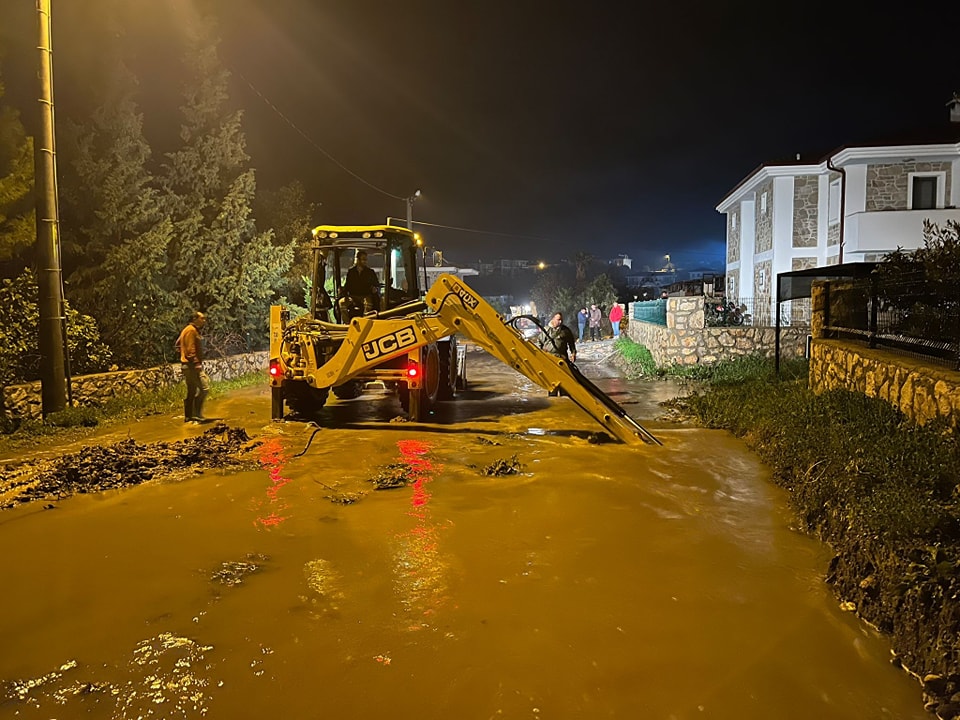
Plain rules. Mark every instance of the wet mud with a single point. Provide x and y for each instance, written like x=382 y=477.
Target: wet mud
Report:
x=96 y=468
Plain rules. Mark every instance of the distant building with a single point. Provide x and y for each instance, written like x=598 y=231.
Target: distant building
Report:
x=651 y=278
x=856 y=203
x=435 y=271
x=698 y=282
x=622 y=261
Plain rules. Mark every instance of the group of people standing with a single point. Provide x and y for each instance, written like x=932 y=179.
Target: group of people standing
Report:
x=560 y=340
x=592 y=319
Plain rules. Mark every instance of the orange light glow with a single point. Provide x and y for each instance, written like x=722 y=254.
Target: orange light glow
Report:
x=271 y=511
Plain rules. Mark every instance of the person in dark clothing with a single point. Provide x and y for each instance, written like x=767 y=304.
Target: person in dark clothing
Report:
x=361 y=289
x=190 y=345
x=582 y=319
x=559 y=340
x=596 y=317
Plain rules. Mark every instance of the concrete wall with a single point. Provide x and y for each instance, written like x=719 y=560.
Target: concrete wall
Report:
x=921 y=391
x=23 y=401
x=686 y=341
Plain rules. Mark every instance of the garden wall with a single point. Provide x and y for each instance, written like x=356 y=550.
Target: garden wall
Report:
x=23 y=401
x=922 y=391
x=687 y=341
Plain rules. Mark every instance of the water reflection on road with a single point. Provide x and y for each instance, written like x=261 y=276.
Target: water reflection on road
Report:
x=599 y=581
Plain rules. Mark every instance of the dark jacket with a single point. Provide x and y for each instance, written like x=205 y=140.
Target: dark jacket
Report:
x=559 y=341
x=360 y=283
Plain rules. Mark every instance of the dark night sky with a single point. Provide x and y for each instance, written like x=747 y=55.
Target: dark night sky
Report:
x=553 y=126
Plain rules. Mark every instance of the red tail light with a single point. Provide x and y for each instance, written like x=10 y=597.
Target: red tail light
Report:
x=413 y=370
x=274 y=368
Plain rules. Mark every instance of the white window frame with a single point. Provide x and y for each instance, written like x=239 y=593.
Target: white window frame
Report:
x=833 y=202
x=941 y=187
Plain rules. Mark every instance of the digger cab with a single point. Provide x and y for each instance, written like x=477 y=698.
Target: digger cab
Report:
x=391 y=253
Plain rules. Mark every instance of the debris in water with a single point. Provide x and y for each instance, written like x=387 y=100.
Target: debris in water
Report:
x=510 y=466
x=233 y=572
x=96 y=468
x=392 y=476
x=346 y=498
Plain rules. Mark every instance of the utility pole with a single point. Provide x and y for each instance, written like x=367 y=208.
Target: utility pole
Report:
x=410 y=200
x=49 y=278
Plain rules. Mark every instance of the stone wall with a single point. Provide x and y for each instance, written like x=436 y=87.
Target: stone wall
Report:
x=806 y=200
x=888 y=185
x=686 y=341
x=764 y=220
x=922 y=391
x=733 y=236
x=23 y=401
x=833 y=229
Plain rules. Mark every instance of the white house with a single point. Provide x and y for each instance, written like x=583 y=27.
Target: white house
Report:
x=857 y=203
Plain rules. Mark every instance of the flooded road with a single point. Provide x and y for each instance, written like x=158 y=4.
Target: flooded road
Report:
x=598 y=581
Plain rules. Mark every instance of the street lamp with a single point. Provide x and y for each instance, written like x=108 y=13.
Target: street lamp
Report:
x=410 y=200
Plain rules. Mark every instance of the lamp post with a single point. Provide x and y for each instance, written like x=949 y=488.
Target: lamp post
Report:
x=410 y=201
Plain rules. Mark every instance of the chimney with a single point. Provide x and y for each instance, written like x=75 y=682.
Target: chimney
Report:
x=954 y=106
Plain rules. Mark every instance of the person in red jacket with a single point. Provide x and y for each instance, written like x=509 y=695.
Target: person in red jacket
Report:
x=190 y=344
x=616 y=315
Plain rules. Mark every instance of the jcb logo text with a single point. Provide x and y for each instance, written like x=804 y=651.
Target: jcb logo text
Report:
x=469 y=300
x=404 y=337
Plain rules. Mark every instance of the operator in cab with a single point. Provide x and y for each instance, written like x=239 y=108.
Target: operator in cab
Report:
x=361 y=289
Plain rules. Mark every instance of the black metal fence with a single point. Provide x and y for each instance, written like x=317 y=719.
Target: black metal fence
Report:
x=909 y=316
x=756 y=312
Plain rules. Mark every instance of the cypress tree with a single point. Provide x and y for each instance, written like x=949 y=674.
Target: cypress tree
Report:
x=116 y=235
x=17 y=219
x=219 y=260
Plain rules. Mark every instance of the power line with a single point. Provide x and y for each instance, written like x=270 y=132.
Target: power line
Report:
x=316 y=146
x=354 y=175
x=480 y=232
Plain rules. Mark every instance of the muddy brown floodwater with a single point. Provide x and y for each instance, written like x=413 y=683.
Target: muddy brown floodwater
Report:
x=595 y=581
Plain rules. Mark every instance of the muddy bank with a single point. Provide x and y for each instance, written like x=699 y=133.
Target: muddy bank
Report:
x=96 y=468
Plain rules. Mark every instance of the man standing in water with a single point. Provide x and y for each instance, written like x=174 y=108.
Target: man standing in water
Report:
x=190 y=344
x=559 y=340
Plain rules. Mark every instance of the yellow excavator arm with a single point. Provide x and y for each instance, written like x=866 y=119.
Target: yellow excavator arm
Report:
x=451 y=307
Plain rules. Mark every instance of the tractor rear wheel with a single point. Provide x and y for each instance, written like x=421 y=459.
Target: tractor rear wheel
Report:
x=303 y=399
x=349 y=390
x=448 y=369
x=419 y=403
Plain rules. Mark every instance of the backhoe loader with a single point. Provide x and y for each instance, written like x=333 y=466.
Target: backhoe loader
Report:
x=408 y=342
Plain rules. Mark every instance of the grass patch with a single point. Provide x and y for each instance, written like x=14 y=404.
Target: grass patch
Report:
x=637 y=361
x=77 y=422
x=636 y=358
